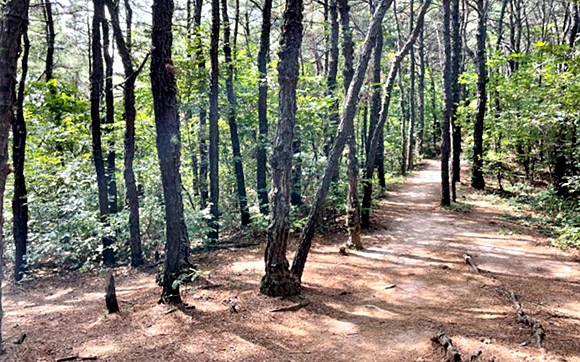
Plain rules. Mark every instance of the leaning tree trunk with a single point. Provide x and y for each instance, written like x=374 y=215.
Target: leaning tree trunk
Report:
x=277 y=281
x=97 y=74
x=214 y=192
x=12 y=26
x=20 y=198
x=238 y=167
x=477 y=180
x=50 y=40
x=263 y=60
x=447 y=106
x=387 y=93
x=129 y=153
x=168 y=141
x=343 y=132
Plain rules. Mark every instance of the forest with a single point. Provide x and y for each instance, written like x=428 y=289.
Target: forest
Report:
x=304 y=164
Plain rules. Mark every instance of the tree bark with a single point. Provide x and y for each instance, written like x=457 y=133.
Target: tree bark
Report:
x=477 y=180
x=447 y=105
x=421 y=93
x=277 y=281
x=214 y=195
x=343 y=132
x=387 y=93
x=109 y=122
x=353 y=207
x=375 y=107
x=50 y=37
x=263 y=60
x=238 y=166
x=20 y=198
x=457 y=64
x=347 y=43
x=412 y=105
x=129 y=152
x=12 y=26
x=97 y=75
x=168 y=142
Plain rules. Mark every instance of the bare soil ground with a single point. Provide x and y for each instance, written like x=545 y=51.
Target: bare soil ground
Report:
x=380 y=304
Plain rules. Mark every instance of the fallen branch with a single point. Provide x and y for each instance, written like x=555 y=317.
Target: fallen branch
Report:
x=445 y=342
x=380 y=309
x=77 y=357
x=469 y=260
x=538 y=333
x=292 y=308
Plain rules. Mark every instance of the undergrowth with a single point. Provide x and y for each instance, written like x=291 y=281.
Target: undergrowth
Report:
x=557 y=217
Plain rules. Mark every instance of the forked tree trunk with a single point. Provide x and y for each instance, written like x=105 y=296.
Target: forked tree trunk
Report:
x=97 y=75
x=12 y=26
x=387 y=93
x=344 y=131
x=277 y=281
x=168 y=142
x=263 y=60
x=214 y=192
x=238 y=166
x=129 y=153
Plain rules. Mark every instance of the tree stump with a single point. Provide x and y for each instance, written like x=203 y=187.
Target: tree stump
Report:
x=111 y=295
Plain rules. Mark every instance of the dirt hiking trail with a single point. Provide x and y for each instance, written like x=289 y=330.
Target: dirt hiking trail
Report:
x=380 y=304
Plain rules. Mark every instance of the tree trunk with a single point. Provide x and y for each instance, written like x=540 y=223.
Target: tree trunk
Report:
x=296 y=192
x=213 y=221
x=447 y=105
x=20 y=198
x=387 y=93
x=421 y=94
x=347 y=43
x=412 y=105
x=203 y=132
x=109 y=122
x=12 y=26
x=168 y=141
x=129 y=153
x=477 y=180
x=97 y=74
x=353 y=207
x=404 y=123
x=344 y=130
x=263 y=60
x=457 y=64
x=238 y=166
x=375 y=108
x=50 y=37
x=277 y=281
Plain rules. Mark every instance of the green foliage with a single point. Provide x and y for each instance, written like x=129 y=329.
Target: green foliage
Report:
x=462 y=208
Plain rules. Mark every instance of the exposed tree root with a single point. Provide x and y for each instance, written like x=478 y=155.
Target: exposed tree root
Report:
x=452 y=352
x=538 y=333
x=292 y=308
x=445 y=342
x=469 y=260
